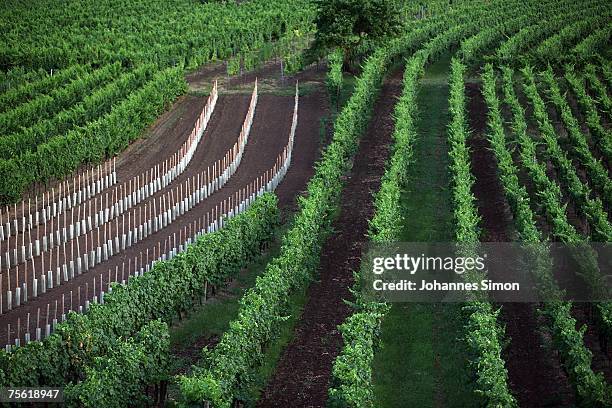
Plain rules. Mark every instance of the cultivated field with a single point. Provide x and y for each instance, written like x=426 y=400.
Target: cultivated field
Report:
x=189 y=192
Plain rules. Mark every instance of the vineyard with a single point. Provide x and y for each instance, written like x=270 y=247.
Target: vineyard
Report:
x=191 y=193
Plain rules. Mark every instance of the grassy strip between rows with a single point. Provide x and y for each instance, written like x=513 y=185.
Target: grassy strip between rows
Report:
x=590 y=388
x=423 y=356
x=87 y=341
x=101 y=138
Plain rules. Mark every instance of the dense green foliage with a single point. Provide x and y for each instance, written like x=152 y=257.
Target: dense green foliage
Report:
x=512 y=34
x=602 y=136
x=95 y=104
x=590 y=387
x=39 y=86
x=334 y=79
x=594 y=43
x=598 y=86
x=352 y=25
x=119 y=378
x=516 y=48
x=45 y=106
x=97 y=140
x=170 y=288
x=592 y=208
x=178 y=32
x=598 y=174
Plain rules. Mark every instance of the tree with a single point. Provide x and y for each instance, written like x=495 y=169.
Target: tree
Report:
x=353 y=25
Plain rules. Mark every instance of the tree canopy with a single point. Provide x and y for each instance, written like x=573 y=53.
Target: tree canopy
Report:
x=352 y=24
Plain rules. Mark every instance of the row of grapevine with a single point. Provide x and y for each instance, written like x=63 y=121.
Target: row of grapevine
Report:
x=118 y=379
x=31 y=89
x=590 y=387
x=550 y=198
x=289 y=48
x=94 y=105
x=602 y=136
x=333 y=80
x=592 y=45
x=101 y=138
x=45 y=106
x=592 y=208
x=485 y=336
x=472 y=48
x=590 y=74
x=18 y=76
x=555 y=47
x=596 y=171
x=528 y=36
x=606 y=69
x=169 y=288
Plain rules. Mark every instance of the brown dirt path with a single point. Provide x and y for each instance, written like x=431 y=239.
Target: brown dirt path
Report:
x=303 y=372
